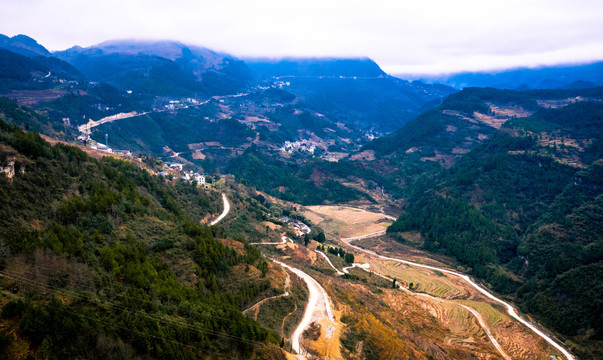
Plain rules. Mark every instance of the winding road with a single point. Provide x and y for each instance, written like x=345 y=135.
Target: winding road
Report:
x=225 y=212
x=261 y=302
x=510 y=310
x=474 y=312
x=317 y=301
x=87 y=127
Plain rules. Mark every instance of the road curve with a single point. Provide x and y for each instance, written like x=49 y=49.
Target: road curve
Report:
x=283 y=240
x=329 y=261
x=225 y=212
x=318 y=298
x=286 y=293
x=510 y=310
x=261 y=302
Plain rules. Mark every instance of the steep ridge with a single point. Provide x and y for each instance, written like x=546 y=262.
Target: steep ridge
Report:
x=112 y=252
x=23 y=45
x=503 y=210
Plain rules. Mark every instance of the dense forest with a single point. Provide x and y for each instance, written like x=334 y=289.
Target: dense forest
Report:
x=523 y=212
x=289 y=181
x=107 y=261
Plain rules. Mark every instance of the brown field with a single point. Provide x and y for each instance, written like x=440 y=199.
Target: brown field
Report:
x=444 y=159
x=34 y=97
x=509 y=111
x=559 y=103
x=198 y=155
x=346 y=221
x=367 y=155
x=494 y=121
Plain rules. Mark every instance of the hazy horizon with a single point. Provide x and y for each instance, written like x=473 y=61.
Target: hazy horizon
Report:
x=428 y=38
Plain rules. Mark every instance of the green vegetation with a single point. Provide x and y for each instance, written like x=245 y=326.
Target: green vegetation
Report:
x=17 y=71
x=150 y=133
x=517 y=212
x=289 y=181
x=100 y=100
x=129 y=236
x=29 y=120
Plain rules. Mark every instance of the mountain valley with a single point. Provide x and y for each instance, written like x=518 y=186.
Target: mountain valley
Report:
x=363 y=216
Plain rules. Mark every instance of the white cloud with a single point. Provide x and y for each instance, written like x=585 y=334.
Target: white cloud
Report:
x=426 y=35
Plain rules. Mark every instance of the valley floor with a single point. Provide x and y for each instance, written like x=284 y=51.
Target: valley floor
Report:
x=429 y=304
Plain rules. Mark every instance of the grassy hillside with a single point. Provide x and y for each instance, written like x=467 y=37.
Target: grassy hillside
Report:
x=107 y=261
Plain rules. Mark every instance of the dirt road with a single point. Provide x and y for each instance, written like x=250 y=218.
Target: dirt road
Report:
x=225 y=212
x=318 y=306
x=510 y=310
x=329 y=261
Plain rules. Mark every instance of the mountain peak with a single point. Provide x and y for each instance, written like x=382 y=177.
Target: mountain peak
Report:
x=24 y=45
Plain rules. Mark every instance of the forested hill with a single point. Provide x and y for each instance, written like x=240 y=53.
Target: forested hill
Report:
x=109 y=262
x=468 y=117
x=523 y=210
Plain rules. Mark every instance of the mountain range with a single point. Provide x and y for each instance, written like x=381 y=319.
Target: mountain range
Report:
x=574 y=76
x=502 y=180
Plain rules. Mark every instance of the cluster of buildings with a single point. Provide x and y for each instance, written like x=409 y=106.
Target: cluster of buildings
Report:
x=302 y=145
x=299 y=228
x=188 y=176
x=193 y=176
x=92 y=144
x=281 y=84
x=183 y=103
x=174 y=165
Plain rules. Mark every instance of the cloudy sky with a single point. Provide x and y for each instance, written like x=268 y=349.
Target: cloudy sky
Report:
x=403 y=36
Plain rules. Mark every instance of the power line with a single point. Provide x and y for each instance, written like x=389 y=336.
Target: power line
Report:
x=117 y=306
x=94 y=290
x=189 y=326
x=140 y=332
x=151 y=316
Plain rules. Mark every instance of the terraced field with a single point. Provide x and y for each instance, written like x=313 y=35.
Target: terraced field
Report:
x=458 y=307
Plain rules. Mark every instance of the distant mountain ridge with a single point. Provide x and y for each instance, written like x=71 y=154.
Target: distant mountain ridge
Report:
x=469 y=117
x=359 y=67
x=159 y=67
x=548 y=77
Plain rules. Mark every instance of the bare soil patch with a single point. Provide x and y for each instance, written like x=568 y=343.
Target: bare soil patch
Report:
x=367 y=155
x=346 y=221
x=34 y=97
